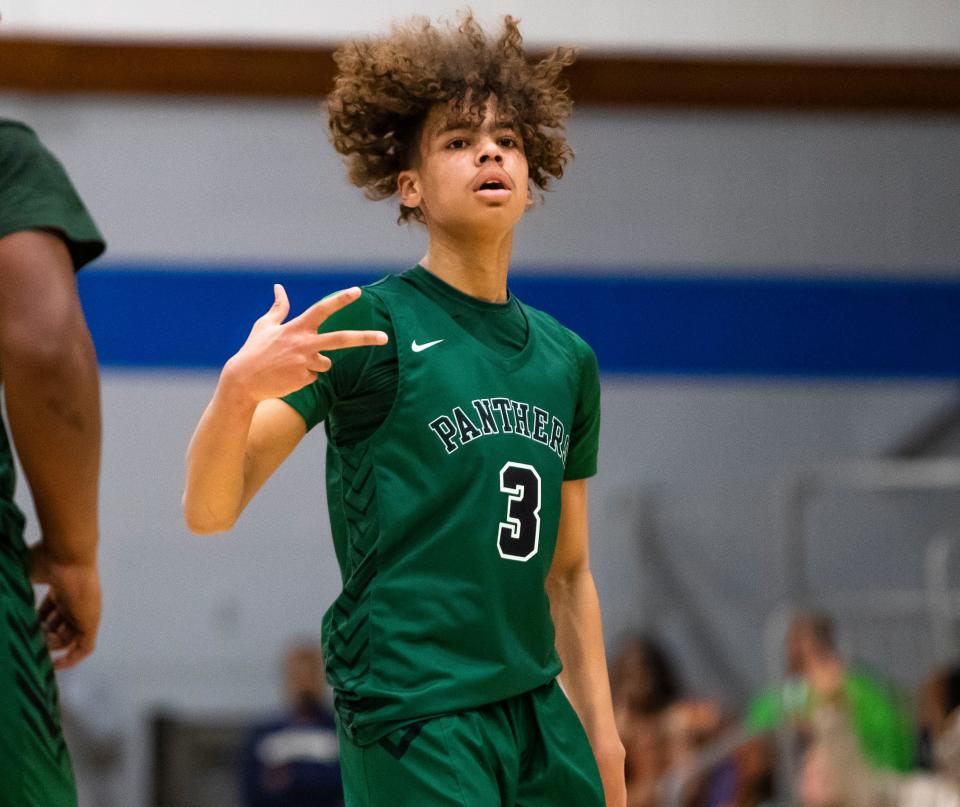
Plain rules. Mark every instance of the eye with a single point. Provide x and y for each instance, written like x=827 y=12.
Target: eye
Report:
x=508 y=142
x=457 y=143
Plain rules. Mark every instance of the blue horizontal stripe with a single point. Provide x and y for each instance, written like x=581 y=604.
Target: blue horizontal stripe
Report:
x=193 y=317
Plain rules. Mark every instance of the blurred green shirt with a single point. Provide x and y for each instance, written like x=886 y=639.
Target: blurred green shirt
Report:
x=882 y=724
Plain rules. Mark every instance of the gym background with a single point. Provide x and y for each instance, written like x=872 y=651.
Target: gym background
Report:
x=759 y=236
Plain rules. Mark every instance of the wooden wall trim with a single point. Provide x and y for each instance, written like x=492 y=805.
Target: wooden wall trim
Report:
x=37 y=65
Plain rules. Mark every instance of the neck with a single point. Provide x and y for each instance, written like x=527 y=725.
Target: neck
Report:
x=478 y=267
x=825 y=674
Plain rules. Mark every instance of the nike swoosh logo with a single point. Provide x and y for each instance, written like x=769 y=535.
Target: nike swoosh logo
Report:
x=417 y=348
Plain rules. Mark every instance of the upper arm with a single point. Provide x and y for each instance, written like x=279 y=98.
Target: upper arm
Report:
x=585 y=432
x=275 y=430
x=572 y=554
x=39 y=307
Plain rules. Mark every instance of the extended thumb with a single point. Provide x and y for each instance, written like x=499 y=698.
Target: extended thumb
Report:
x=281 y=305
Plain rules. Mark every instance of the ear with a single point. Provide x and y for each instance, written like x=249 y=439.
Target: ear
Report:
x=408 y=188
x=530 y=200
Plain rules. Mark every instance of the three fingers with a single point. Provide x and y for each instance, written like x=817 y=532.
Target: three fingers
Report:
x=317 y=314
x=313 y=317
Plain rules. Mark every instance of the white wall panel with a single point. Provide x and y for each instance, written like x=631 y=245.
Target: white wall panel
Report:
x=653 y=191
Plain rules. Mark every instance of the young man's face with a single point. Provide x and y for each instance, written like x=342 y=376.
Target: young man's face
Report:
x=469 y=178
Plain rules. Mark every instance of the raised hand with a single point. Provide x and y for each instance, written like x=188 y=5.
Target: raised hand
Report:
x=281 y=357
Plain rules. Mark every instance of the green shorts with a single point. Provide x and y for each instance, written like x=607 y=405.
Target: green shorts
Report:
x=528 y=751
x=35 y=767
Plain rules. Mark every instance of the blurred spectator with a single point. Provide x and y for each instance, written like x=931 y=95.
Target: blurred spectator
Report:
x=746 y=778
x=642 y=677
x=691 y=726
x=836 y=772
x=939 y=698
x=816 y=669
x=644 y=685
x=292 y=761
x=661 y=730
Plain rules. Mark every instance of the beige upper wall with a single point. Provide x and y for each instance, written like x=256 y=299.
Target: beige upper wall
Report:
x=854 y=27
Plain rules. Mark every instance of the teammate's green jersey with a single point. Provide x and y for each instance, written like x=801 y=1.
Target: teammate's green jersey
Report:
x=445 y=518
x=35 y=194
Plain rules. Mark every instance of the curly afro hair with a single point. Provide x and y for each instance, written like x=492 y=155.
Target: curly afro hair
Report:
x=386 y=86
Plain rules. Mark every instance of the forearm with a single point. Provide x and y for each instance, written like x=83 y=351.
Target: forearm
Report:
x=575 y=607
x=214 y=494
x=576 y=616
x=53 y=403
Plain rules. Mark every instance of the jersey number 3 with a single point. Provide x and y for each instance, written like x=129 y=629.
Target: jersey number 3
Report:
x=519 y=535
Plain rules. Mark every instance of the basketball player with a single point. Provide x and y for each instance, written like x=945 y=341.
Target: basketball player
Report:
x=52 y=394
x=462 y=427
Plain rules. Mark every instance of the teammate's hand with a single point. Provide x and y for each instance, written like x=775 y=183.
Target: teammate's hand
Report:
x=70 y=611
x=281 y=357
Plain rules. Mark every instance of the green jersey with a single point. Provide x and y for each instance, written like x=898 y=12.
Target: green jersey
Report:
x=445 y=517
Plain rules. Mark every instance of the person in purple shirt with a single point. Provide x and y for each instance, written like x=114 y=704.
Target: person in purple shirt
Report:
x=292 y=760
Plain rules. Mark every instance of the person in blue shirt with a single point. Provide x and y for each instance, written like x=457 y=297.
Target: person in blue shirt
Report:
x=292 y=760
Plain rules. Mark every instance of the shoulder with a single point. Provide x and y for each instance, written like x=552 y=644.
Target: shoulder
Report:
x=16 y=133
x=21 y=149
x=576 y=348
x=36 y=193
x=392 y=288
x=870 y=692
x=380 y=299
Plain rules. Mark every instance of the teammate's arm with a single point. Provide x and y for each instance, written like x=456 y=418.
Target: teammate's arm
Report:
x=53 y=402
x=246 y=433
x=575 y=608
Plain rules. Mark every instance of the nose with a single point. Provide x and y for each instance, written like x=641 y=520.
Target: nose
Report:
x=489 y=150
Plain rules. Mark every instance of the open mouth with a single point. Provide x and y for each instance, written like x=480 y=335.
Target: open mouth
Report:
x=492 y=185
